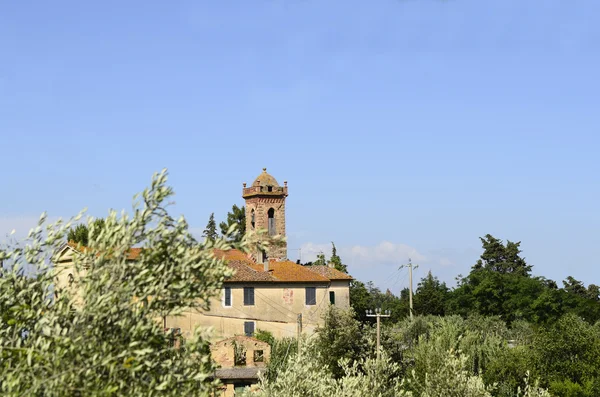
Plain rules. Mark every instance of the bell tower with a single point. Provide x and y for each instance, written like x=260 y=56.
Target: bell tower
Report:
x=265 y=210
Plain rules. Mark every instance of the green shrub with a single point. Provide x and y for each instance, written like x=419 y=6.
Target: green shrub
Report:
x=103 y=338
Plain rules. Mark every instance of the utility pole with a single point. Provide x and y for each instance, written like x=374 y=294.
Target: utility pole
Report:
x=378 y=315
x=299 y=330
x=410 y=288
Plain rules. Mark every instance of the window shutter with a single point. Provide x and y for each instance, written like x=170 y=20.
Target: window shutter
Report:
x=249 y=296
x=332 y=297
x=227 y=296
x=311 y=296
x=249 y=328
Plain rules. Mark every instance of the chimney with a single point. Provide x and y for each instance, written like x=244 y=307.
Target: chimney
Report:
x=330 y=264
x=266 y=263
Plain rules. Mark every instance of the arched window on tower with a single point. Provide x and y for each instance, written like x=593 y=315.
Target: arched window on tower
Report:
x=252 y=219
x=271 y=223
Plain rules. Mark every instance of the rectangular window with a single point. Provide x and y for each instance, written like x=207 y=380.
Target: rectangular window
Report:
x=249 y=328
x=311 y=296
x=248 y=296
x=227 y=297
x=259 y=356
x=332 y=297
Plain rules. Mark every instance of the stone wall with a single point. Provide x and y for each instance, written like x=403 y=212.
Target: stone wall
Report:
x=261 y=206
x=257 y=353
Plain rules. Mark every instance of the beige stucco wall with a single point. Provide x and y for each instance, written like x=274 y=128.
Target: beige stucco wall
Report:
x=275 y=309
x=63 y=269
x=342 y=293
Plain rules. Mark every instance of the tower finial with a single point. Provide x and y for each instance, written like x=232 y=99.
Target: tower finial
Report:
x=264 y=169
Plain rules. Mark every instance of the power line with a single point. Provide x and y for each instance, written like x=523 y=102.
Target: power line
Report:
x=250 y=317
x=393 y=281
x=270 y=300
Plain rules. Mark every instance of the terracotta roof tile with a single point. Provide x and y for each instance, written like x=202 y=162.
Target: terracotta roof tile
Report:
x=329 y=272
x=245 y=273
x=279 y=271
x=290 y=272
x=246 y=270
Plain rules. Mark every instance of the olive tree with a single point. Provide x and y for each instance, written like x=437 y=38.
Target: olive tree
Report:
x=102 y=335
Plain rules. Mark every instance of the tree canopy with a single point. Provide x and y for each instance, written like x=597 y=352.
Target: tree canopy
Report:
x=502 y=258
x=236 y=217
x=80 y=234
x=210 y=231
x=100 y=336
x=336 y=260
x=431 y=296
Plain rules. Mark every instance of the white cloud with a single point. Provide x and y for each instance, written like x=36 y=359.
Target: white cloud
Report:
x=308 y=252
x=381 y=262
x=384 y=253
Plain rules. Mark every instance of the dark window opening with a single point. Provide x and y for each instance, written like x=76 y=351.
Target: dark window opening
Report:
x=332 y=297
x=259 y=356
x=271 y=224
x=270 y=188
x=174 y=337
x=239 y=355
x=249 y=296
x=227 y=296
x=262 y=256
x=249 y=328
x=311 y=296
x=252 y=219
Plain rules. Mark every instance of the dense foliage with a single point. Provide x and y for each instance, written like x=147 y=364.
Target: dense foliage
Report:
x=235 y=226
x=80 y=234
x=499 y=284
x=500 y=332
x=430 y=356
x=100 y=336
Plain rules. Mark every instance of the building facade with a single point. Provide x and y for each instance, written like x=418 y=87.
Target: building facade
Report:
x=272 y=297
x=267 y=291
x=265 y=212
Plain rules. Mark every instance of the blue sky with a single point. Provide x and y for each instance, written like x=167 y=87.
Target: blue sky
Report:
x=404 y=128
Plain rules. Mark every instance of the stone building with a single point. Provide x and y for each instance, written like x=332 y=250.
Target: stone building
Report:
x=240 y=360
x=265 y=210
x=267 y=291
x=272 y=297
